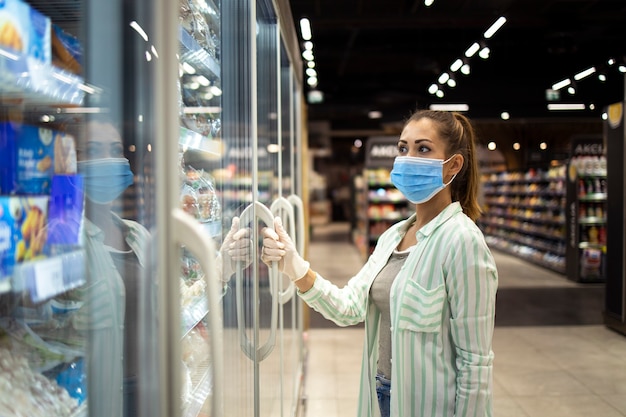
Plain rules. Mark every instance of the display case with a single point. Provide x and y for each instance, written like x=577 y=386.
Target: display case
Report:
x=525 y=215
x=586 y=210
x=189 y=113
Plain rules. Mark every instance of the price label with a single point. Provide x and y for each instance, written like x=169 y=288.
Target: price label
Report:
x=48 y=278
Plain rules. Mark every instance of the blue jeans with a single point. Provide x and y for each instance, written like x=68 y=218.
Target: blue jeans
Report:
x=383 y=389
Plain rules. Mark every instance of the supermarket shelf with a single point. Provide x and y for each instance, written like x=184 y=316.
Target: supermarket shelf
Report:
x=34 y=82
x=49 y=277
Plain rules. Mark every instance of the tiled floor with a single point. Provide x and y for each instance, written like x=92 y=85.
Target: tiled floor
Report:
x=554 y=357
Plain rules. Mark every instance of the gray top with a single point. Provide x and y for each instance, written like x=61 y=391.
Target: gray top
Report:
x=379 y=292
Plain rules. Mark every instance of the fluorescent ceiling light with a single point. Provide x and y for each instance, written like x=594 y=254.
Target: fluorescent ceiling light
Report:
x=472 y=50
x=449 y=107
x=305 y=29
x=584 y=73
x=456 y=65
x=443 y=78
x=494 y=28
x=566 y=106
x=433 y=88
x=561 y=84
x=139 y=30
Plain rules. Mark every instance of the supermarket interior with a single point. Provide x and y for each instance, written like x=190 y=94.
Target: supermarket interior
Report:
x=147 y=148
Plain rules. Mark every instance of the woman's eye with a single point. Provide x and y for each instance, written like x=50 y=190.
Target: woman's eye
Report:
x=423 y=149
x=402 y=149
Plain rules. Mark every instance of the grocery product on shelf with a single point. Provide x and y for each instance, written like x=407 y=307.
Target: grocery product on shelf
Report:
x=526 y=215
x=586 y=214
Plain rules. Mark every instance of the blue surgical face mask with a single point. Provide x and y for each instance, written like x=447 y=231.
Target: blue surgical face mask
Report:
x=419 y=179
x=106 y=178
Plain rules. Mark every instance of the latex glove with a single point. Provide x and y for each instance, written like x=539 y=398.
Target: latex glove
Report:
x=237 y=247
x=278 y=246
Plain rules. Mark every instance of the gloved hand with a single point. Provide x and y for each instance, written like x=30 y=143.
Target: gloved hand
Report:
x=278 y=246
x=237 y=247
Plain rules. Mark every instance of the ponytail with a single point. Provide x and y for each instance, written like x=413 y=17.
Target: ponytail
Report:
x=459 y=135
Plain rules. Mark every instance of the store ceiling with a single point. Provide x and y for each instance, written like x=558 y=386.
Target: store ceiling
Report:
x=384 y=55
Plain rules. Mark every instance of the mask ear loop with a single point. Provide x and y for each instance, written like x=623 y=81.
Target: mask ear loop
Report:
x=454 y=176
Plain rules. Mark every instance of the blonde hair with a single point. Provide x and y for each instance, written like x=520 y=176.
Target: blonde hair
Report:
x=458 y=133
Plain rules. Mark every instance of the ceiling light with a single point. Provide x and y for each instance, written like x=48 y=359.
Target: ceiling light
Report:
x=451 y=83
x=308 y=55
x=472 y=50
x=433 y=88
x=491 y=146
x=621 y=68
x=305 y=29
x=465 y=69
x=494 y=28
x=543 y=146
x=517 y=146
x=561 y=84
x=315 y=96
x=610 y=61
x=484 y=53
x=571 y=89
x=450 y=107
x=439 y=93
x=602 y=77
x=374 y=114
x=505 y=115
x=456 y=65
x=428 y=3
x=139 y=30
x=310 y=64
x=566 y=106
x=311 y=72
x=584 y=73
x=312 y=81
x=443 y=78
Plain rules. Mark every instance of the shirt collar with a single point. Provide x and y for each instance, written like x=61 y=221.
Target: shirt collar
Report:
x=432 y=225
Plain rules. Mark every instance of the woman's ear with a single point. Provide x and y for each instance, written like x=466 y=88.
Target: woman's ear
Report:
x=455 y=164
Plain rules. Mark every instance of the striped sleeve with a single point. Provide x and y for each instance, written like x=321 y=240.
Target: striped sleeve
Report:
x=472 y=284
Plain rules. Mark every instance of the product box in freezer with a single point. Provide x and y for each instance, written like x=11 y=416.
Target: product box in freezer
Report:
x=31 y=155
x=23 y=230
x=25 y=31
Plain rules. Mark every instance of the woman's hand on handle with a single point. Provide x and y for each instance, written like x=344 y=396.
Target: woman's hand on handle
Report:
x=278 y=247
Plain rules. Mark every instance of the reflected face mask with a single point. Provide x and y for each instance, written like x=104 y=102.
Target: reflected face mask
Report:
x=106 y=178
x=419 y=179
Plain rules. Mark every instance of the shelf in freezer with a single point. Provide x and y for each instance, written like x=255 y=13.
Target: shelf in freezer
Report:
x=26 y=78
x=46 y=278
x=192 y=53
x=193 y=140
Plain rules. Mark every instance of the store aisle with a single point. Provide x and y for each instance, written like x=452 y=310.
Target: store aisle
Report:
x=553 y=355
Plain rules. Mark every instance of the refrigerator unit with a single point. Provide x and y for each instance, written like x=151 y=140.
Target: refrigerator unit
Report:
x=157 y=124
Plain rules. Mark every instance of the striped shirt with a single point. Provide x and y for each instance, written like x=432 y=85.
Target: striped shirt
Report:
x=103 y=317
x=442 y=316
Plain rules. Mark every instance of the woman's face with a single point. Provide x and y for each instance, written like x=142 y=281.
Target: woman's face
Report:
x=102 y=141
x=420 y=138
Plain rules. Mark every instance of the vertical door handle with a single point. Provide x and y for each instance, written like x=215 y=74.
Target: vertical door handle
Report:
x=299 y=215
x=187 y=232
x=283 y=208
x=249 y=215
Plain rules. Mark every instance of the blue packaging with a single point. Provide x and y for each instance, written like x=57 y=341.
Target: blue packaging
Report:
x=23 y=229
x=65 y=210
x=25 y=31
x=26 y=159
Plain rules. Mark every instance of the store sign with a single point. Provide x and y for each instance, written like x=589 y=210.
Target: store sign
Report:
x=381 y=151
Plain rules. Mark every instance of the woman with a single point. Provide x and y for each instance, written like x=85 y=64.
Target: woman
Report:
x=427 y=292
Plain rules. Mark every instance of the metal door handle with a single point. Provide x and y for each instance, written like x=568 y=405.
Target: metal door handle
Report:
x=249 y=215
x=283 y=208
x=187 y=232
